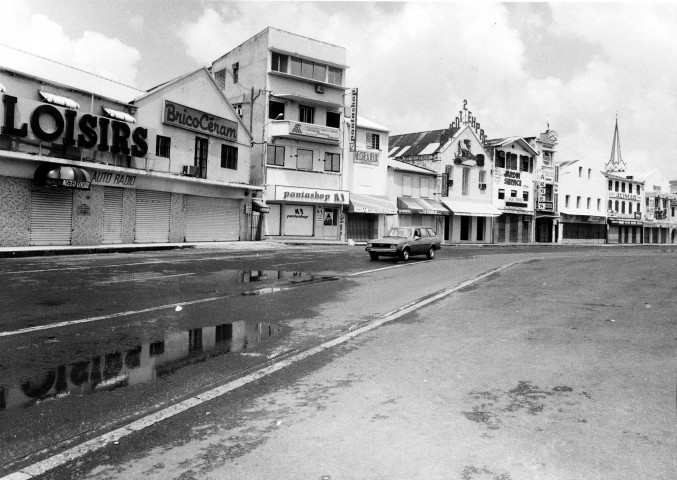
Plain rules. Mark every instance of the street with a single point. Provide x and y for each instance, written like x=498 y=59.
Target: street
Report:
x=315 y=362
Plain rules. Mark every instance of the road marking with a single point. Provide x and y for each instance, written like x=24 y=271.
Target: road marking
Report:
x=363 y=272
x=106 y=439
x=148 y=276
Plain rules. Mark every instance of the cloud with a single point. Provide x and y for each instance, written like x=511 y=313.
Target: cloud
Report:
x=93 y=52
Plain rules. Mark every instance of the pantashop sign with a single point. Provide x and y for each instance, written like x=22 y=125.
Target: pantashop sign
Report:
x=56 y=124
x=311 y=195
x=198 y=121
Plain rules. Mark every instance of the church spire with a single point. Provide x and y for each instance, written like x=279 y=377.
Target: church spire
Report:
x=616 y=163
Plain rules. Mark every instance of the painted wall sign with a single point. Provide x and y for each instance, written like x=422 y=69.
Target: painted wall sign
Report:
x=199 y=121
x=109 y=178
x=51 y=124
x=512 y=178
x=316 y=131
x=625 y=196
x=546 y=206
x=353 y=119
x=300 y=194
x=366 y=158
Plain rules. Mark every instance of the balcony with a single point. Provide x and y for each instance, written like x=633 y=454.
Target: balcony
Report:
x=304 y=131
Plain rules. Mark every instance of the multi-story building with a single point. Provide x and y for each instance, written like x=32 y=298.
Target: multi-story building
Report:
x=582 y=203
x=659 y=220
x=290 y=90
x=87 y=161
x=464 y=170
x=370 y=213
x=546 y=215
x=625 y=198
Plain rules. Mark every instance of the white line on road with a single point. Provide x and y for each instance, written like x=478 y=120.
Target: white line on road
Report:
x=102 y=441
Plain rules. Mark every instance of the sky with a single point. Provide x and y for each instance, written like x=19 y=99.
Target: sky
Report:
x=521 y=66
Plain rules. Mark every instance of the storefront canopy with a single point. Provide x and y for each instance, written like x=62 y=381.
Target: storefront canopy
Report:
x=62 y=176
x=360 y=203
x=59 y=100
x=125 y=117
x=260 y=205
x=422 y=206
x=471 y=209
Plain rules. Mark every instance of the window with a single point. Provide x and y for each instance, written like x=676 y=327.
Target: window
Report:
x=447 y=180
x=629 y=207
x=524 y=163
x=610 y=208
x=466 y=181
x=589 y=202
x=501 y=194
x=304 y=159
x=500 y=159
x=566 y=201
x=238 y=109
x=637 y=189
x=374 y=141
x=275 y=155
x=229 y=157
x=332 y=162
x=334 y=119
x=511 y=161
x=279 y=62
x=236 y=71
x=589 y=173
x=320 y=72
x=162 y=146
x=611 y=185
x=580 y=172
x=525 y=195
x=599 y=204
x=578 y=202
x=622 y=207
x=406 y=186
x=306 y=114
x=616 y=205
x=425 y=188
x=623 y=187
x=201 y=145
x=616 y=185
x=513 y=193
x=335 y=75
x=275 y=109
x=331 y=216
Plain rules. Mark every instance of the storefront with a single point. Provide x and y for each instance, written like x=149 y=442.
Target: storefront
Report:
x=307 y=213
x=470 y=221
x=513 y=226
x=582 y=228
x=421 y=211
x=369 y=216
x=625 y=230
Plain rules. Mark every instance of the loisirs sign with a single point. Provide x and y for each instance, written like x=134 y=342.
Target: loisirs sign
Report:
x=71 y=128
x=198 y=121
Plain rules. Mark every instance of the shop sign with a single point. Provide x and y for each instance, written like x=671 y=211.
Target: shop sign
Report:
x=109 y=178
x=516 y=204
x=366 y=158
x=596 y=219
x=547 y=175
x=300 y=194
x=317 y=131
x=512 y=178
x=50 y=124
x=624 y=196
x=353 y=119
x=198 y=121
x=546 y=206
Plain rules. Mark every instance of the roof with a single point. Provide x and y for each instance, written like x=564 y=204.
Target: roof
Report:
x=364 y=123
x=32 y=65
x=416 y=142
x=408 y=167
x=501 y=142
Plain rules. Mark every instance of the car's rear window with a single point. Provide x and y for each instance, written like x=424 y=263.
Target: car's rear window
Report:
x=431 y=232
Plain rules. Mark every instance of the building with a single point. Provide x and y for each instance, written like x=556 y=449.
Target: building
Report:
x=290 y=91
x=514 y=187
x=546 y=215
x=415 y=189
x=458 y=156
x=87 y=161
x=582 y=203
x=370 y=213
x=659 y=221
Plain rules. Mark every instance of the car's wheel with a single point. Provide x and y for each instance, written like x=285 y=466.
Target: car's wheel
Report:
x=431 y=253
x=373 y=256
x=405 y=254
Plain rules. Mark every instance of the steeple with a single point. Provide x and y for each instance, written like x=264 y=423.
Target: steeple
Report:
x=615 y=163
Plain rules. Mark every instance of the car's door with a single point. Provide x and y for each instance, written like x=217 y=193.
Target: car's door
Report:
x=418 y=243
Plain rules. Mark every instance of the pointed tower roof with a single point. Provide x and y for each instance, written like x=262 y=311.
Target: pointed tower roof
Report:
x=615 y=163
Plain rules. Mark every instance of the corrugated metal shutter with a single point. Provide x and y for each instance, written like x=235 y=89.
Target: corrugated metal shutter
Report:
x=51 y=216
x=212 y=219
x=112 y=215
x=152 y=216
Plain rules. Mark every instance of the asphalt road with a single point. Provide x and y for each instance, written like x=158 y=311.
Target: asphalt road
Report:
x=531 y=339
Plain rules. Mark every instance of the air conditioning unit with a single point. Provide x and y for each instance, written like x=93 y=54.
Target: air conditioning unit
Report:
x=191 y=170
x=319 y=88
x=483 y=186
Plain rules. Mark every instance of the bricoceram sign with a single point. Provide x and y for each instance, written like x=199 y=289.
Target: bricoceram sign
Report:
x=198 y=121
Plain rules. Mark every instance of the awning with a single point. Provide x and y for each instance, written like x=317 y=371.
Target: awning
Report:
x=57 y=100
x=471 y=209
x=62 y=176
x=260 y=205
x=360 y=203
x=619 y=221
x=422 y=206
x=117 y=115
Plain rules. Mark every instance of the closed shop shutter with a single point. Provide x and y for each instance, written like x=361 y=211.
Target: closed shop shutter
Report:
x=212 y=219
x=112 y=215
x=362 y=226
x=152 y=216
x=51 y=216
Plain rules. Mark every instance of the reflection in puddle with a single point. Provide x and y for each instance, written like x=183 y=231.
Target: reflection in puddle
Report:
x=137 y=365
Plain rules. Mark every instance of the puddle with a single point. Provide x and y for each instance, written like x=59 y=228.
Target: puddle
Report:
x=144 y=363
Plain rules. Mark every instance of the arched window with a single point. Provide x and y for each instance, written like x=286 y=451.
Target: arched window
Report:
x=611 y=185
x=623 y=187
x=638 y=189
x=622 y=207
x=616 y=185
x=616 y=209
x=629 y=207
x=610 y=205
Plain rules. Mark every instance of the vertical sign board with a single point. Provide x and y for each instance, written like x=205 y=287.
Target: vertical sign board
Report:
x=353 y=119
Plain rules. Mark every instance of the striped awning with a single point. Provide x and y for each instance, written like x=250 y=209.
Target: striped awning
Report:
x=117 y=115
x=361 y=203
x=422 y=206
x=67 y=176
x=471 y=209
x=59 y=100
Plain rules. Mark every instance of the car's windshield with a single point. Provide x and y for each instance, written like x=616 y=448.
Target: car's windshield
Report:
x=399 y=232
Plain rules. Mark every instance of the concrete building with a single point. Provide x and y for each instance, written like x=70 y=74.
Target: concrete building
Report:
x=290 y=91
x=660 y=223
x=464 y=169
x=87 y=161
x=546 y=214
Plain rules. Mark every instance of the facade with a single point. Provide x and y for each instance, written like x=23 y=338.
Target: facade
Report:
x=370 y=213
x=78 y=167
x=415 y=189
x=514 y=187
x=464 y=168
x=290 y=91
x=659 y=221
x=582 y=203
x=546 y=214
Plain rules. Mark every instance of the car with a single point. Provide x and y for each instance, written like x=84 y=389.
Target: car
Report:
x=404 y=242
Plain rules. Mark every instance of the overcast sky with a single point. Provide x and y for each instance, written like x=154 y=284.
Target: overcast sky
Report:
x=520 y=66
